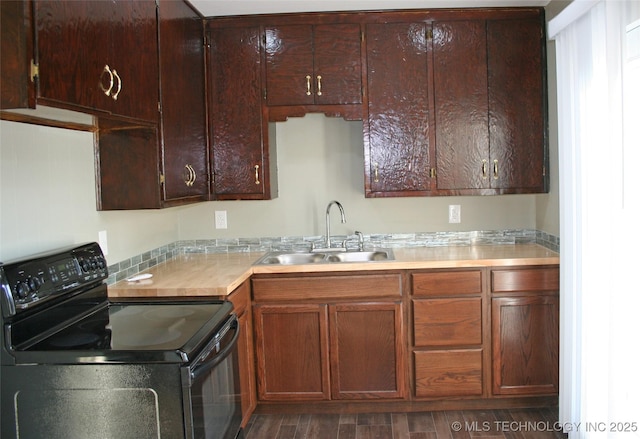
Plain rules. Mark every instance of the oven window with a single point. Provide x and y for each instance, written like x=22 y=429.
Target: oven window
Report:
x=215 y=400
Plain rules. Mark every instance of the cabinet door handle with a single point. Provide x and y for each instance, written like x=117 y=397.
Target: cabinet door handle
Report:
x=189 y=176
x=375 y=173
x=319 y=78
x=257 y=168
x=484 y=169
x=107 y=70
x=115 y=95
x=495 y=169
x=308 y=85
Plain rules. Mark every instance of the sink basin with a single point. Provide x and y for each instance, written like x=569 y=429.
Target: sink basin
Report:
x=380 y=255
x=295 y=258
x=292 y=258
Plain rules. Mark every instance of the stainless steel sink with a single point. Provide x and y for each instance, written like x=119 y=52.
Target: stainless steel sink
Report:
x=379 y=255
x=291 y=258
x=300 y=258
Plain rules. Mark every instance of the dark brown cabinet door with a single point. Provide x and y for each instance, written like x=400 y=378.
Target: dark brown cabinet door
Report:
x=240 y=135
x=517 y=104
x=99 y=56
x=460 y=95
x=337 y=65
x=366 y=350
x=309 y=65
x=525 y=335
x=134 y=53
x=396 y=129
x=289 y=57
x=16 y=88
x=127 y=164
x=183 y=121
x=292 y=352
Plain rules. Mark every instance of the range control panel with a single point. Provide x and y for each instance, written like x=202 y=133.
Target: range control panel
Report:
x=28 y=282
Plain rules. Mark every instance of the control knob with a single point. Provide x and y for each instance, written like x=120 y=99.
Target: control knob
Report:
x=34 y=284
x=85 y=265
x=22 y=290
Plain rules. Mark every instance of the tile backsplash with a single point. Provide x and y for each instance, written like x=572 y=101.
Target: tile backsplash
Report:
x=136 y=264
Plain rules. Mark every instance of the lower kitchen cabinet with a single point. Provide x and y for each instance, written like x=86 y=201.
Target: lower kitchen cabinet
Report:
x=292 y=352
x=241 y=299
x=334 y=337
x=448 y=337
x=366 y=350
x=525 y=331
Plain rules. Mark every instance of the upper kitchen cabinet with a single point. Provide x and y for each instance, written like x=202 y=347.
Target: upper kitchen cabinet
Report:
x=313 y=65
x=397 y=123
x=154 y=165
x=456 y=103
x=99 y=57
x=490 y=104
x=183 y=113
x=517 y=92
x=461 y=113
x=242 y=140
x=17 y=89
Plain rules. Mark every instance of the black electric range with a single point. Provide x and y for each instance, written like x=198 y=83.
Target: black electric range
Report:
x=62 y=336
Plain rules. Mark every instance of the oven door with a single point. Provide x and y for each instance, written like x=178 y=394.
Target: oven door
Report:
x=212 y=388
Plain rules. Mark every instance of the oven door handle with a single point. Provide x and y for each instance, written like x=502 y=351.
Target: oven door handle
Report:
x=202 y=365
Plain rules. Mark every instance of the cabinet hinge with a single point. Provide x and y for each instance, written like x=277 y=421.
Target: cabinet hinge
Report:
x=430 y=34
x=161 y=178
x=433 y=172
x=159 y=107
x=34 y=71
x=544 y=171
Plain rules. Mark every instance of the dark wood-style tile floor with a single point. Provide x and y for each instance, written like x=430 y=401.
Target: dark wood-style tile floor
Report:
x=539 y=423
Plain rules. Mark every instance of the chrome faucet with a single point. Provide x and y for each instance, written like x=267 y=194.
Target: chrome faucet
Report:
x=360 y=240
x=342 y=219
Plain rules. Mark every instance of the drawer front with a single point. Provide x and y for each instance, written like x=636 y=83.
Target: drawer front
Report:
x=447 y=322
x=448 y=373
x=523 y=280
x=447 y=283
x=327 y=287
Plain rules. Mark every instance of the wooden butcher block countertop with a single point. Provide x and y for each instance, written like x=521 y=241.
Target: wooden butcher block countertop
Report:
x=198 y=275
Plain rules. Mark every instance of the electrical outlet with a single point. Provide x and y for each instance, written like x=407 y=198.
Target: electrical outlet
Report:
x=221 y=219
x=454 y=214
